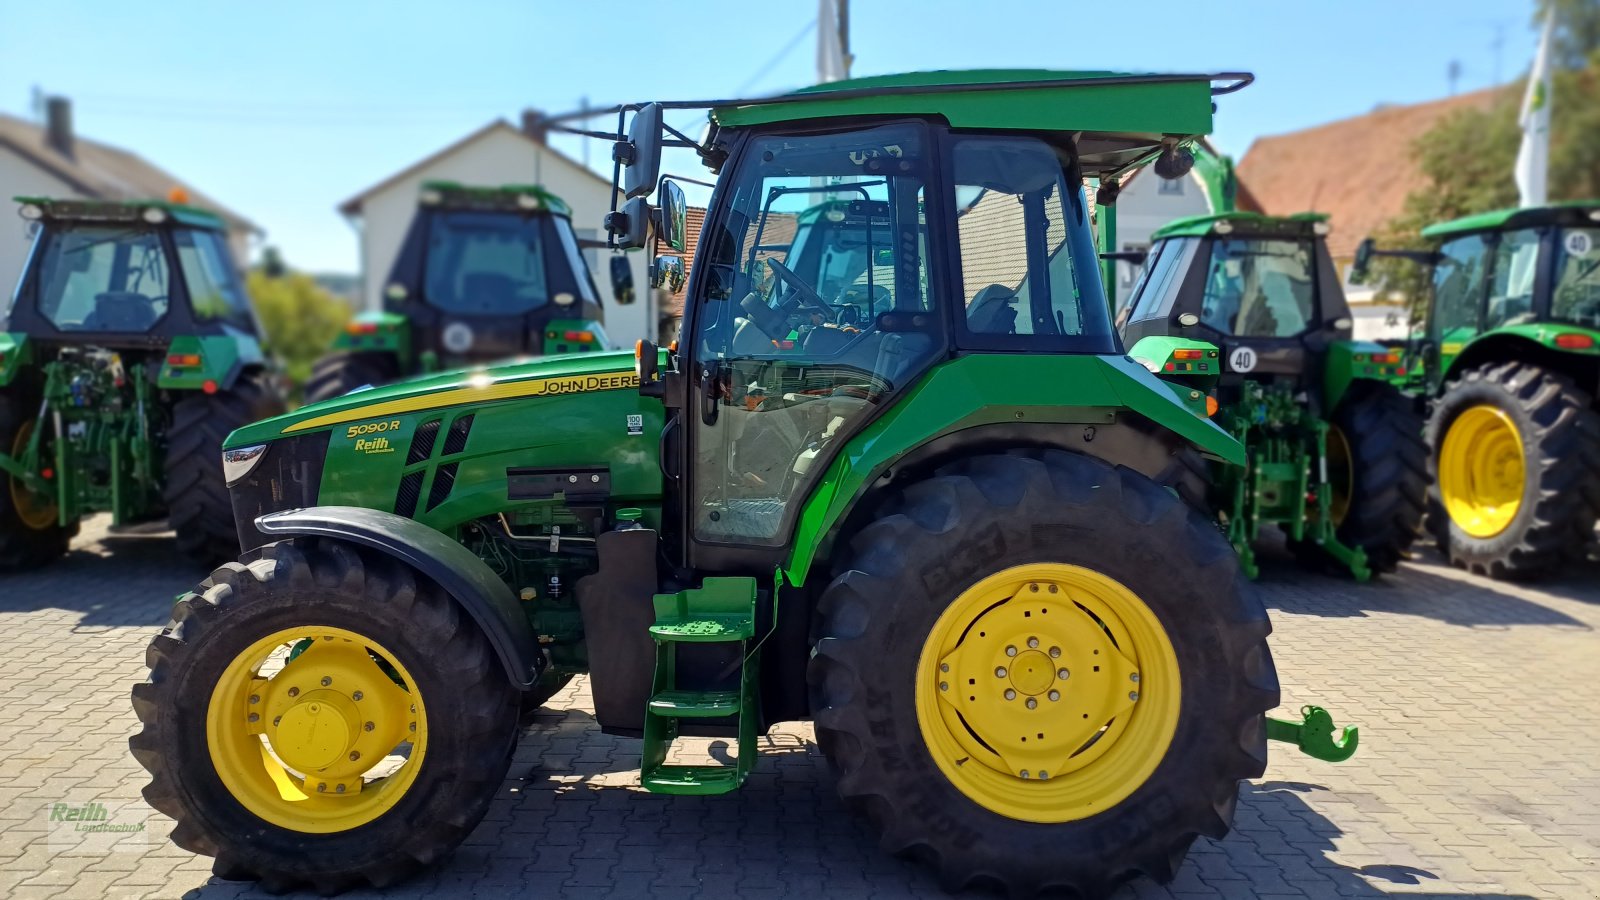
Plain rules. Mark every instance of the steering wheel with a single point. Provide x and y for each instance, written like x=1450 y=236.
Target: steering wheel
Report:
x=808 y=295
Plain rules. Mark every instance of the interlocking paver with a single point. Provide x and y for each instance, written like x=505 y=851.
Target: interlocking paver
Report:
x=1478 y=773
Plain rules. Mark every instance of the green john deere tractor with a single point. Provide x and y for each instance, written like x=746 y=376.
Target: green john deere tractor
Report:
x=484 y=275
x=1510 y=360
x=128 y=354
x=931 y=518
x=1250 y=306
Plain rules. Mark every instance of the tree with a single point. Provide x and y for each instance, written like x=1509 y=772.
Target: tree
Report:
x=1466 y=160
x=300 y=319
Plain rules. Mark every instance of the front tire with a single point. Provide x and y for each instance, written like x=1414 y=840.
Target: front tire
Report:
x=347 y=672
x=1516 y=466
x=1073 y=555
x=198 y=505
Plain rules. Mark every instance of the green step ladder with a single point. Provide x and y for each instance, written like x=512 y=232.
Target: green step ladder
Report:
x=721 y=610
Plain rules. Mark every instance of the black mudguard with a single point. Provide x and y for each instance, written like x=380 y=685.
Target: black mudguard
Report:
x=453 y=567
x=618 y=610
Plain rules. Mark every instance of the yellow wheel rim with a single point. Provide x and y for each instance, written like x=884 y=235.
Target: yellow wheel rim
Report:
x=1481 y=471
x=36 y=512
x=309 y=729
x=1047 y=692
x=1341 y=474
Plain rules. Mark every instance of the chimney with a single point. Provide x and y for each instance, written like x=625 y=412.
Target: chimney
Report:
x=58 y=125
x=534 y=126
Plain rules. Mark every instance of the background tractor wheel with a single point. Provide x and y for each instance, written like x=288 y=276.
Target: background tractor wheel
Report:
x=340 y=373
x=357 y=672
x=1042 y=672
x=198 y=505
x=1516 y=470
x=1378 y=463
x=30 y=533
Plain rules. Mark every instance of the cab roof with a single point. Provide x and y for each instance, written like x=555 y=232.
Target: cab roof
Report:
x=523 y=197
x=1117 y=118
x=1577 y=212
x=118 y=211
x=1242 y=223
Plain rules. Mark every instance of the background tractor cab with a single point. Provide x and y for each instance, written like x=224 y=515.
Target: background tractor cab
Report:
x=1336 y=457
x=484 y=274
x=897 y=477
x=128 y=353
x=1510 y=348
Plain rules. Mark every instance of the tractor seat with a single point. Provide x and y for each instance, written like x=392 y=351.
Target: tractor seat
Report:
x=488 y=290
x=992 y=312
x=120 y=311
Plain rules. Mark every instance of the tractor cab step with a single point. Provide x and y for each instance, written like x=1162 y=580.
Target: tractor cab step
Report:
x=721 y=610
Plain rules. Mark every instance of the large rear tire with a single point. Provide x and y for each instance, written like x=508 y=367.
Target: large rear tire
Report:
x=198 y=506
x=30 y=531
x=338 y=374
x=1050 y=562
x=1516 y=468
x=374 y=660
x=1378 y=463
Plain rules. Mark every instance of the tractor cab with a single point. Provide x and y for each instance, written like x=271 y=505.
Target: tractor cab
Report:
x=1263 y=289
x=126 y=275
x=483 y=275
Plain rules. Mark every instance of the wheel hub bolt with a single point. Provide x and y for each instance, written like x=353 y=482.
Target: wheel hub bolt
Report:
x=1010 y=694
x=1133 y=677
x=1034 y=588
x=255 y=698
x=1054 y=590
x=1054 y=696
x=999 y=671
x=1010 y=650
x=1055 y=652
x=944 y=685
x=413 y=726
x=357 y=696
x=355 y=755
x=321 y=787
x=1032 y=703
x=1134 y=696
x=339 y=789
x=1024 y=774
x=369 y=726
x=276 y=720
x=326 y=681
x=255 y=717
x=1063 y=674
x=294 y=692
x=1033 y=643
x=944 y=667
x=1043 y=775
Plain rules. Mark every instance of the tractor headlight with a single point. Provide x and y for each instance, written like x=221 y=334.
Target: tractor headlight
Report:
x=155 y=215
x=1148 y=364
x=530 y=201
x=238 y=463
x=32 y=211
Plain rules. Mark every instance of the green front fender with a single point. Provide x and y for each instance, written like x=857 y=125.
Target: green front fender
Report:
x=1350 y=361
x=221 y=357
x=377 y=332
x=989 y=389
x=15 y=354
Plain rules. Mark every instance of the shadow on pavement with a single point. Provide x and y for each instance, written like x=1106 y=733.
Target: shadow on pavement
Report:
x=109 y=579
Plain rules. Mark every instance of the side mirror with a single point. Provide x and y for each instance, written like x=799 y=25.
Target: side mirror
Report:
x=631 y=224
x=622 y=280
x=640 y=154
x=674 y=216
x=1358 y=269
x=668 y=272
x=1188 y=320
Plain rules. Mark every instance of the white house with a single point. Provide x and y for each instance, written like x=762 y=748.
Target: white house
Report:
x=1146 y=203
x=497 y=154
x=48 y=160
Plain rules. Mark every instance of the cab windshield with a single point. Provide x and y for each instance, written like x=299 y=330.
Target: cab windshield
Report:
x=1259 y=287
x=1577 y=286
x=103 y=278
x=485 y=263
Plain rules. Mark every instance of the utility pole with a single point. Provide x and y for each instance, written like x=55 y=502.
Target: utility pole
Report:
x=833 y=40
x=1453 y=72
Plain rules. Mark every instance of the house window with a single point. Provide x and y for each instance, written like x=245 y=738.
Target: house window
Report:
x=1172 y=186
x=1129 y=271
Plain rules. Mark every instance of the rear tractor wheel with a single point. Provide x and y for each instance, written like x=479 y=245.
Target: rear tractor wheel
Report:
x=1378 y=469
x=1041 y=672
x=323 y=716
x=198 y=504
x=340 y=373
x=30 y=531
x=1516 y=459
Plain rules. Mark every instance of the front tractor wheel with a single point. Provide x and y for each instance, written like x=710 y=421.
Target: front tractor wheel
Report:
x=1042 y=672
x=1516 y=459
x=322 y=716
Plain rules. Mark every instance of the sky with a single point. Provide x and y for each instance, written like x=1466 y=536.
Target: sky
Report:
x=281 y=111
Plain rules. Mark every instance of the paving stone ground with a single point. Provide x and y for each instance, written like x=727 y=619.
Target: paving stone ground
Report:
x=1478 y=774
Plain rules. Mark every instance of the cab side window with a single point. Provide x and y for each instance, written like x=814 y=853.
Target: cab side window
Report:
x=1458 y=282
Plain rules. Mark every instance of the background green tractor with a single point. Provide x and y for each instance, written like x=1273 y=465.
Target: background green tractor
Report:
x=1510 y=352
x=128 y=353
x=1252 y=305
x=898 y=477
x=484 y=274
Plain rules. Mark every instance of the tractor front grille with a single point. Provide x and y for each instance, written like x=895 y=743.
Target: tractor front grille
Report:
x=289 y=476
